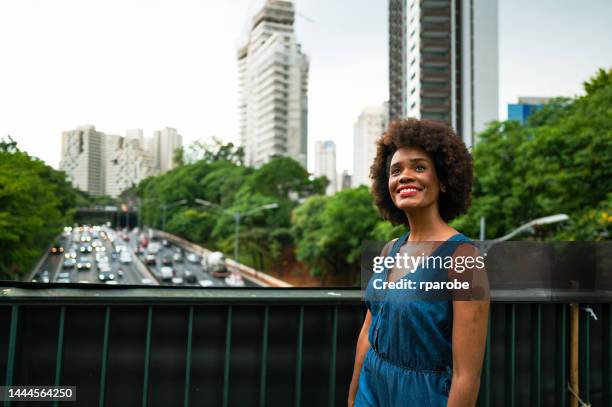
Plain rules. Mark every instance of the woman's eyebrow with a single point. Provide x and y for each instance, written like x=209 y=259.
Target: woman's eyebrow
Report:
x=399 y=163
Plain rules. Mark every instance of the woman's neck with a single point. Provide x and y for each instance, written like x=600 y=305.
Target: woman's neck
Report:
x=427 y=225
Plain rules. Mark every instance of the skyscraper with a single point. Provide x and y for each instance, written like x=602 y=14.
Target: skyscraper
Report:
x=273 y=86
x=325 y=164
x=162 y=148
x=370 y=125
x=451 y=62
x=83 y=152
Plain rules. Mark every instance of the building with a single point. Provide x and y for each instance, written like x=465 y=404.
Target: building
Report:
x=525 y=107
x=106 y=164
x=397 y=59
x=162 y=147
x=127 y=163
x=325 y=164
x=345 y=180
x=273 y=88
x=83 y=152
x=451 y=62
x=370 y=125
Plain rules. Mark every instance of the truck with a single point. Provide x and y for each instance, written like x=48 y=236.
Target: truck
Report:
x=214 y=264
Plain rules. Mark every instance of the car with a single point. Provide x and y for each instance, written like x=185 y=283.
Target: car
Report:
x=86 y=248
x=177 y=280
x=106 y=276
x=193 y=258
x=167 y=273
x=64 y=280
x=57 y=249
x=147 y=281
x=190 y=277
x=150 y=259
x=120 y=272
x=206 y=283
x=153 y=248
x=234 y=280
x=112 y=282
x=71 y=254
x=167 y=260
x=69 y=263
x=165 y=243
x=63 y=274
x=177 y=257
x=104 y=267
x=125 y=257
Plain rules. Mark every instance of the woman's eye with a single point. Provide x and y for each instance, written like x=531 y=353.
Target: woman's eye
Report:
x=420 y=168
x=395 y=171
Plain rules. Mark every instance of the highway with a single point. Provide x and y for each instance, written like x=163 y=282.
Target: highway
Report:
x=168 y=249
x=77 y=244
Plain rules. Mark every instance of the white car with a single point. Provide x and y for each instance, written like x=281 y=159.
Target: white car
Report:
x=206 y=283
x=166 y=273
x=146 y=281
x=177 y=280
x=153 y=248
x=193 y=258
x=125 y=257
x=234 y=280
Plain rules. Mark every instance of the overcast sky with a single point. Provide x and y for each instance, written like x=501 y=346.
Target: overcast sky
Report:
x=121 y=64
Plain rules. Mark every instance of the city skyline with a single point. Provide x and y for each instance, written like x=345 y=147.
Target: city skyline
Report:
x=138 y=75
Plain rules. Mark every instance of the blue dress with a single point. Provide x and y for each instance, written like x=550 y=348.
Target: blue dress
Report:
x=409 y=362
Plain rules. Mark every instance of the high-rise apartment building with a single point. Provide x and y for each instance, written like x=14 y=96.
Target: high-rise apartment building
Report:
x=105 y=164
x=370 y=125
x=443 y=55
x=83 y=152
x=325 y=164
x=273 y=88
x=162 y=148
x=127 y=163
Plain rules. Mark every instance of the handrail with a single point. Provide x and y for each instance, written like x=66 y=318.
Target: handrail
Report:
x=44 y=292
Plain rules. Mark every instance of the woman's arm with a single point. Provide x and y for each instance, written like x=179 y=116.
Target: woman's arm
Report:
x=363 y=345
x=469 y=335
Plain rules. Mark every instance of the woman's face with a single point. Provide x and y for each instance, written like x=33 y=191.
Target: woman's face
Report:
x=413 y=182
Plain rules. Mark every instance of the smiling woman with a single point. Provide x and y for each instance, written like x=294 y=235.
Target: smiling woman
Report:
x=425 y=352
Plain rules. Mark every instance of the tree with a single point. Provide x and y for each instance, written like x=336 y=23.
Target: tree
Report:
x=561 y=162
x=329 y=231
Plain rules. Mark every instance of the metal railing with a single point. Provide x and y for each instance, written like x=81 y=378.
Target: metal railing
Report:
x=171 y=346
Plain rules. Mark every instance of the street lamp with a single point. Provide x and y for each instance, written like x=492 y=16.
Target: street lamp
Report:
x=237 y=218
x=561 y=217
x=168 y=206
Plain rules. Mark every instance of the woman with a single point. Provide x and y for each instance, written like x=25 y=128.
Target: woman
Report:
x=421 y=352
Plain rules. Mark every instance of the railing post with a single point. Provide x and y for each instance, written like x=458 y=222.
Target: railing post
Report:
x=10 y=359
x=510 y=355
x=298 y=362
x=104 y=357
x=536 y=355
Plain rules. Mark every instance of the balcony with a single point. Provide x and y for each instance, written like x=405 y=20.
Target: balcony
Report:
x=169 y=346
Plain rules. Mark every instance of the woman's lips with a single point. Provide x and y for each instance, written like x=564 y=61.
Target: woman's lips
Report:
x=408 y=192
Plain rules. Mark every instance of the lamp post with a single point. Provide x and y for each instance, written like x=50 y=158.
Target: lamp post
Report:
x=165 y=207
x=546 y=220
x=237 y=218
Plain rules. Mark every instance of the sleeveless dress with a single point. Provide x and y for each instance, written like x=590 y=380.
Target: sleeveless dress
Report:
x=409 y=362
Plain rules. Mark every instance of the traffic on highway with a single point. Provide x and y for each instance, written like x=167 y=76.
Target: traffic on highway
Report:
x=100 y=254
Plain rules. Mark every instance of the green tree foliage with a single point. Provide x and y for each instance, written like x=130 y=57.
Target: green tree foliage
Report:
x=35 y=202
x=561 y=162
x=329 y=231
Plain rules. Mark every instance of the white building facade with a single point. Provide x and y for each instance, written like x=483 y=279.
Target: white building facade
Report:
x=370 y=125
x=105 y=164
x=325 y=164
x=83 y=152
x=273 y=88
